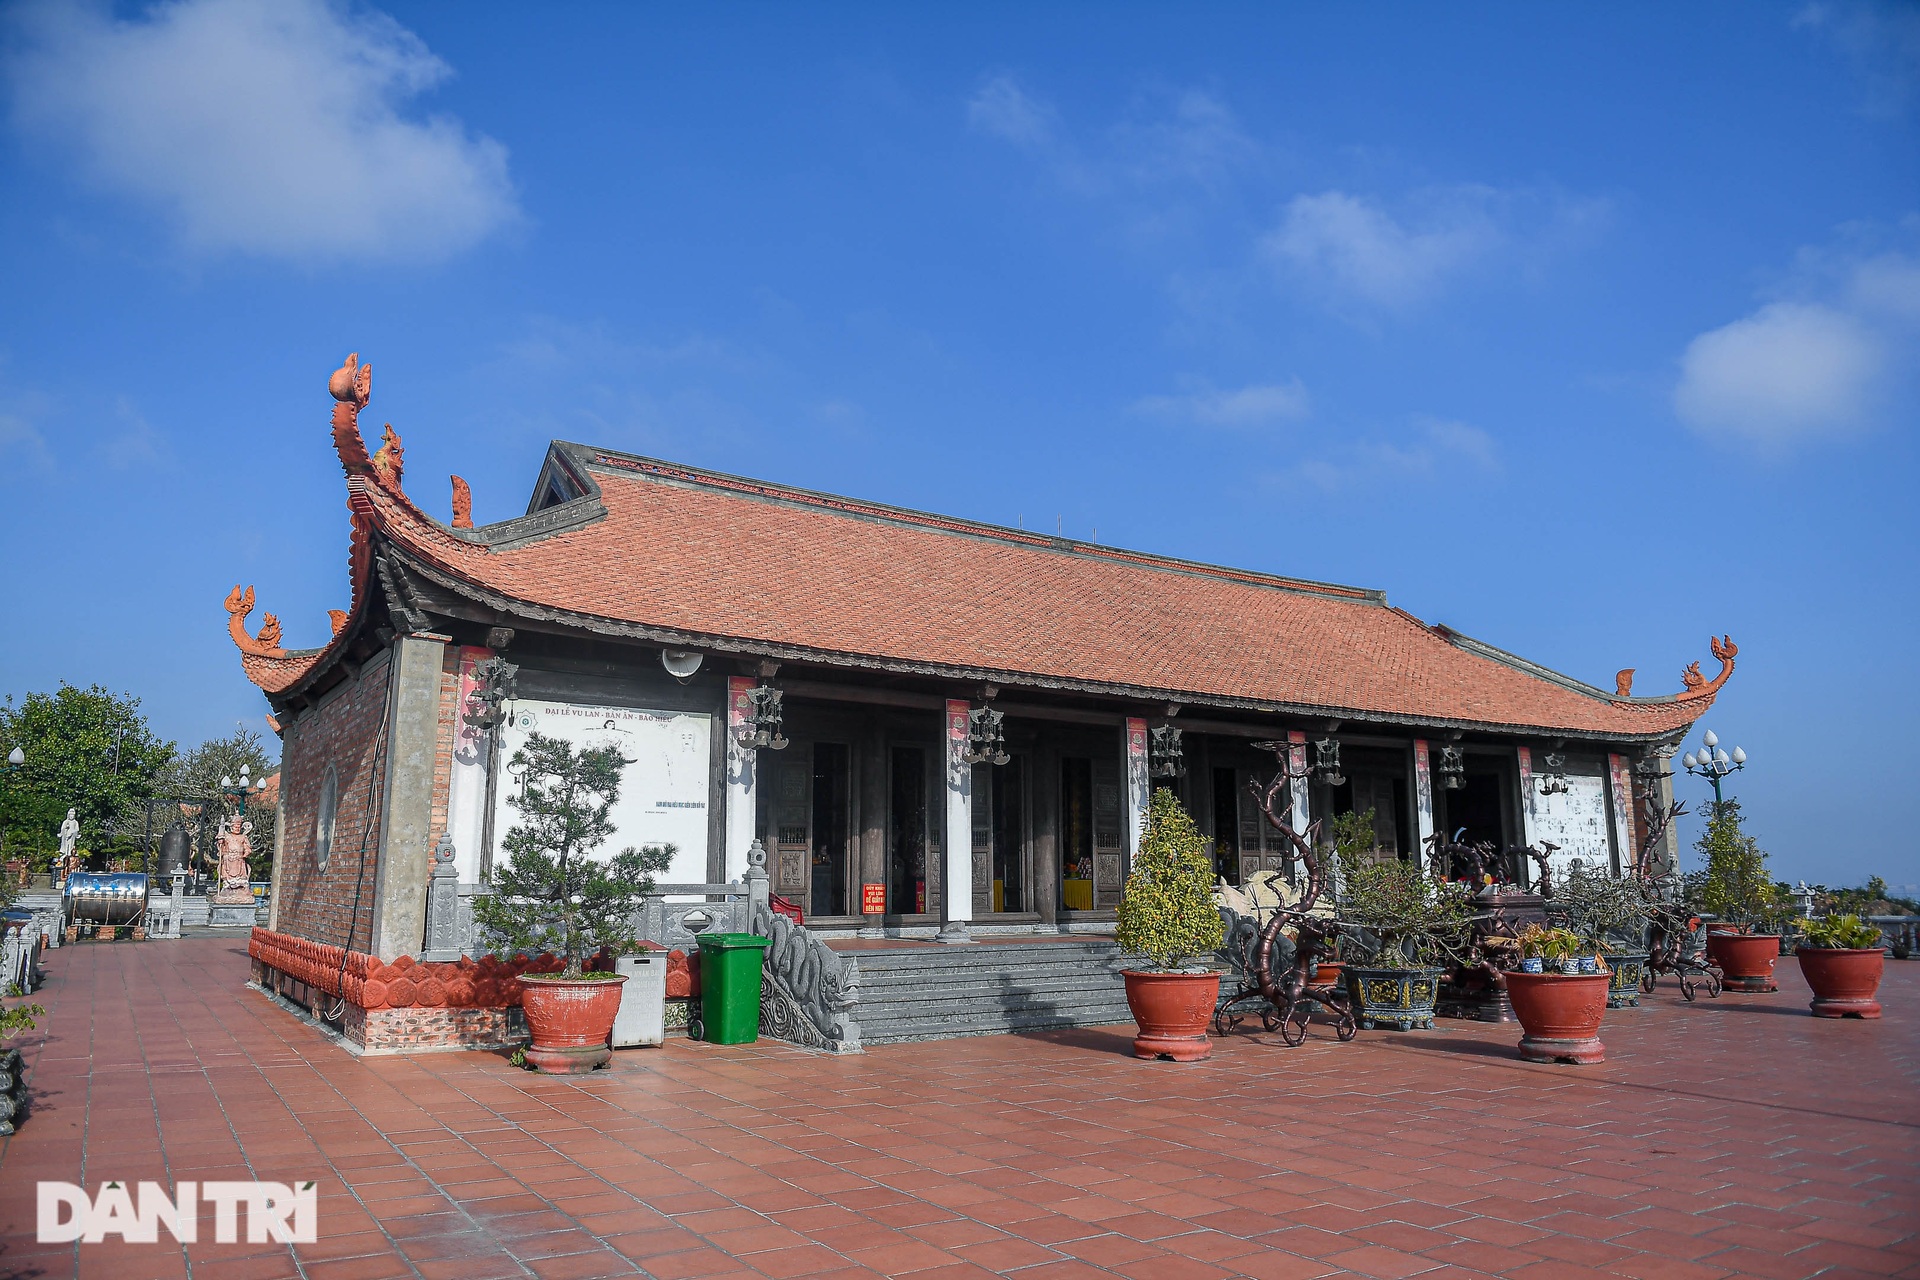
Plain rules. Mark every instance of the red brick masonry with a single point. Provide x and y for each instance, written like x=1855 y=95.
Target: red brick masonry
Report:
x=416 y=1004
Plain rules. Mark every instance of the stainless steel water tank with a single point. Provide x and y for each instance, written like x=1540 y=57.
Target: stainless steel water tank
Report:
x=106 y=897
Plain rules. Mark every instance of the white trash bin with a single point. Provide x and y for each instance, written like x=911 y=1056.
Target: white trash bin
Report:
x=643 y=1000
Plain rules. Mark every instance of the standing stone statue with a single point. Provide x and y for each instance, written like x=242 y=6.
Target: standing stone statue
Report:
x=69 y=835
x=236 y=851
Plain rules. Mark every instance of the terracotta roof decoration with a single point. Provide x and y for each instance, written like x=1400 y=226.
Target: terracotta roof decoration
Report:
x=462 y=504
x=665 y=554
x=1698 y=686
x=264 y=645
x=391 y=460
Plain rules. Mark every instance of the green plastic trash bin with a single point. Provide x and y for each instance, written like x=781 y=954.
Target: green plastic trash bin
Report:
x=730 y=987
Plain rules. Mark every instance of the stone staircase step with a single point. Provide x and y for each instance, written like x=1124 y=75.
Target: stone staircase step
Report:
x=927 y=993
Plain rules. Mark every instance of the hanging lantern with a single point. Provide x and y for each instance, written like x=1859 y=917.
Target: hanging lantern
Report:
x=1164 y=758
x=986 y=740
x=1326 y=761
x=1453 y=767
x=763 y=719
x=492 y=686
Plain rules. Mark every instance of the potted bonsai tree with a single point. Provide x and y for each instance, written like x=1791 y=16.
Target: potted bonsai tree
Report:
x=1841 y=959
x=1734 y=885
x=1559 y=995
x=553 y=895
x=1419 y=922
x=1167 y=915
x=1611 y=914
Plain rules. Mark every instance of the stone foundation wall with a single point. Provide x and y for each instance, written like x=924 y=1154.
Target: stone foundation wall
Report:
x=415 y=1030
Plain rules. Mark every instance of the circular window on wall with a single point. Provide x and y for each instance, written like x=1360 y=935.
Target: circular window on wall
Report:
x=323 y=819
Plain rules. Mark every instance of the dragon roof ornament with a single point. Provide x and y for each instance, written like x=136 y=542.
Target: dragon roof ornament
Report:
x=1697 y=685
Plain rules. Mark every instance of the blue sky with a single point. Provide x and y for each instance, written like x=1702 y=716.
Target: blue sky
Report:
x=1587 y=330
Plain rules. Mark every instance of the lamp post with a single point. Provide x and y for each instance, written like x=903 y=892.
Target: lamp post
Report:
x=247 y=786
x=1714 y=764
x=16 y=760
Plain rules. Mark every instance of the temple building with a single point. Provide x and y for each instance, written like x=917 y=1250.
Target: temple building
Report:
x=933 y=726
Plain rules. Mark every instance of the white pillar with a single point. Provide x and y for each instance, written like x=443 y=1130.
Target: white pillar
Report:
x=1297 y=767
x=1422 y=799
x=956 y=889
x=1620 y=783
x=742 y=773
x=1139 y=795
x=1529 y=804
x=467 y=785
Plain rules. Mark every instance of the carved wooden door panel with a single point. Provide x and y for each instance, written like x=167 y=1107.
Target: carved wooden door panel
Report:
x=1109 y=870
x=982 y=811
x=792 y=821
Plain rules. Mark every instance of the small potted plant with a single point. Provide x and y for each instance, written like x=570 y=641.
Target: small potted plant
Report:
x=1558 y=1000
x=1734 y=886
x=1418 y=922
x=553 y=895
x=1841 y=959
x=1612 y=914
x=1167 y=915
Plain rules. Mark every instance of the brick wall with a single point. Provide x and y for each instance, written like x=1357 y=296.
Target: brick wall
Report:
x=413 y=1030
x=345 y=731
x=449 y=735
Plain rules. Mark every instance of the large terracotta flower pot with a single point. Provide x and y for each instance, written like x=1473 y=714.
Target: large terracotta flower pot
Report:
x=1746 y=958
x=571 y=1021
x=1843 y=980
x=1173 y=1010
x=1398 y=998
x=1326 y=973
x=1560 y=1014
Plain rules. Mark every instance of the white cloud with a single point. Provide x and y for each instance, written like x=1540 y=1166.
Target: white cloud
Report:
x=1249 y=406
x=1438 y=446
x=1187 y=137
x=1882 y=40
x=1178 y=138
x=22 y=447
x=138 y=446
x=265 y=127
x=1834 y=351
x=1001 y=107
x=1355 y=248
x=1788 y=371
x=1887 y=284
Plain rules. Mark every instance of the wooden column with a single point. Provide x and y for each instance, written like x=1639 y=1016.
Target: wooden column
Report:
x=870 y=862
x=1045 y=879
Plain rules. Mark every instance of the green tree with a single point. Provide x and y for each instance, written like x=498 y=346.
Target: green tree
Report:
x=1732 y=882
x=552 y=894
x=86 y=749
x=1167 y=912
x=197 y=776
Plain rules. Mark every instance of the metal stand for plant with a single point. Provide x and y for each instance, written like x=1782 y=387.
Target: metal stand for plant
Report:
x=1290 y=999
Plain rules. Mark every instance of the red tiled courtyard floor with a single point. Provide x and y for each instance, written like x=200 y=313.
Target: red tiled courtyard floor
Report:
x=1737 y=1137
